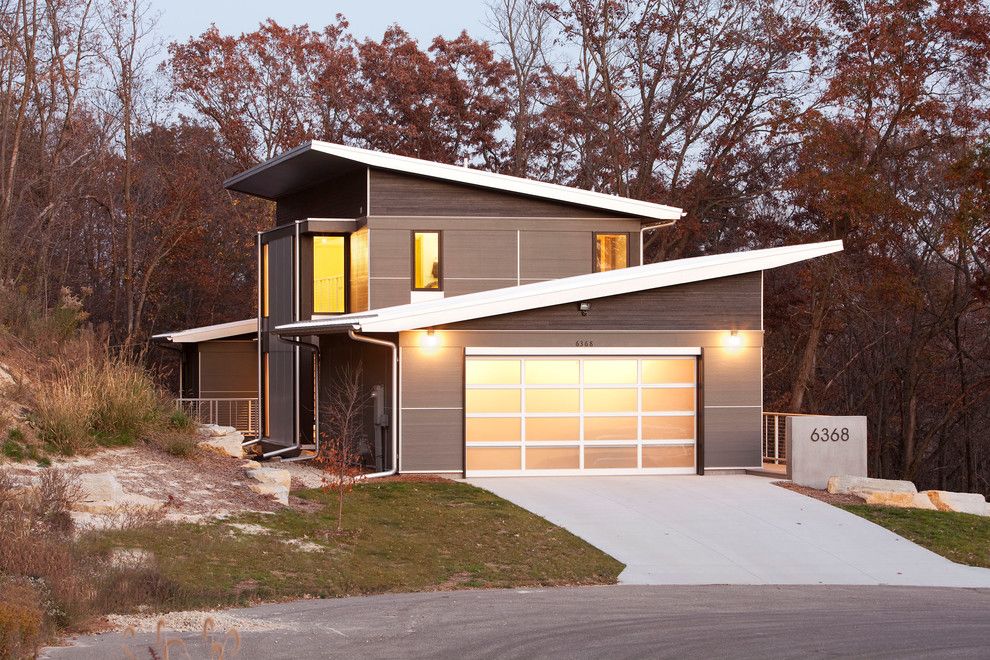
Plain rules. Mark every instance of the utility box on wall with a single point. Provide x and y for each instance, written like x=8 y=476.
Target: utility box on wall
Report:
x=823 y=446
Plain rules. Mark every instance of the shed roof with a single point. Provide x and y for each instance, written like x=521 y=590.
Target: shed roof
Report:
x=313 y=162
x=561 y=291
x=208 y=332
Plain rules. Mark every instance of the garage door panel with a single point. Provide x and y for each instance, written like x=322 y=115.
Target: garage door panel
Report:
x=668 y=456
x=493 y=429
x=493 y=458
x=553 y=429
x=553 y=458
x=579 y=414
x=668 y=428
x=609 y=458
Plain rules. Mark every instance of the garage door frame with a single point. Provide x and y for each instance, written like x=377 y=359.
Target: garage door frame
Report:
x=584 y=352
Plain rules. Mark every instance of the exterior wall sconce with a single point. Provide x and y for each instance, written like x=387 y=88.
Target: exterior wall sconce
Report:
x=429 y=340
x=584 y=308
x=734 y=340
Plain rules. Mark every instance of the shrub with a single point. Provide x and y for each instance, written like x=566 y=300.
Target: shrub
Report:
x=13 y=450
x=22 y=619
x=177 y=443
x=96 y=398
x=127 y=404
x=64 y=407
x=181 y=421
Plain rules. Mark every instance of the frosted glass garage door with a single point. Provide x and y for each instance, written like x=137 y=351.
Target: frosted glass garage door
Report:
x=580 y=415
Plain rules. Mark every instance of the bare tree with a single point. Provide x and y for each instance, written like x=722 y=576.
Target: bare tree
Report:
x=342 y=418
x=524 y=29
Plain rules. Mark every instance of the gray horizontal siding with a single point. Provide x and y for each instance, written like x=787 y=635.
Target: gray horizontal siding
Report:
x=403 y=194
x=728 y=302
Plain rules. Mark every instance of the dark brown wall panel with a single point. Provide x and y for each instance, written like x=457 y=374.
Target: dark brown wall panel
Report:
x=281 y=359
x=404 y=194
x=724 y=303
x=344 y=196
x=228 y=369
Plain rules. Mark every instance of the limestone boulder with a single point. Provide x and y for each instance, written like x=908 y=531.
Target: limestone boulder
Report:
x=214 y=430
x=231 y=444
x=901 y=500
x=99 y=487
x=280 y=493
x=863 y=486
x=274 y=482
x=102 y=493
x=274 y=476
x=944 y=500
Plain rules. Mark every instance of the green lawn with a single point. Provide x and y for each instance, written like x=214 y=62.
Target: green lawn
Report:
x=399 y=536
x=961 y=537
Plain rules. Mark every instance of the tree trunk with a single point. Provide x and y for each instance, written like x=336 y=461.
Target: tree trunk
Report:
x=806 y=365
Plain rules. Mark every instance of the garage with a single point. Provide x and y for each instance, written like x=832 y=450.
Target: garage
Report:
x=545 y=412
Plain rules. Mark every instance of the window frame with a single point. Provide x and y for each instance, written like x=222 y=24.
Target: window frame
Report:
x=595 y=266
x=412 y=259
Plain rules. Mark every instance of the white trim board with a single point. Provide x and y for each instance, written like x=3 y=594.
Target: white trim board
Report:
x=567 y=350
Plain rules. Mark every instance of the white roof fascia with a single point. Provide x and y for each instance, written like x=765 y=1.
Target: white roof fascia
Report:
x=208 y=332
x=474 y=177
x=570 y=289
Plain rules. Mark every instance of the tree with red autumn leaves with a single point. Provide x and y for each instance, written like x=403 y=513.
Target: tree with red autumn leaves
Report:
x=768 y=121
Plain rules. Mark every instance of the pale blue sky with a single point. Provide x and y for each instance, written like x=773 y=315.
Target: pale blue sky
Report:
x=424 y=19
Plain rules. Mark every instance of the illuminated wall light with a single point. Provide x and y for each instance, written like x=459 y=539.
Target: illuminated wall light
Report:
x=734 y=340
x=429 y=340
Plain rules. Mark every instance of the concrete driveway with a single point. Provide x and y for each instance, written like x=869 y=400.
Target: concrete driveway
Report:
x=731 y=529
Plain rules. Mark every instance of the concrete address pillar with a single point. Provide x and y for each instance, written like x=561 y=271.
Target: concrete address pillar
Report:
x=823 y=446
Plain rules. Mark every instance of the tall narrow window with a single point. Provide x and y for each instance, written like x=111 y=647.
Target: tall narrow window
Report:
x=264 y=280
x=427 y=271
x=328 y=274
x=611 y=252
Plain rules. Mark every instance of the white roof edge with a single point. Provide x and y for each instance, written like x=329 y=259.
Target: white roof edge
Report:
x=208 y=332
x=569 y=289
x=474 y=177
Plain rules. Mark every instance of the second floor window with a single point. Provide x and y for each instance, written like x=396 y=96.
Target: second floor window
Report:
x=611 y=252
x=427 y=270
x=328 y=274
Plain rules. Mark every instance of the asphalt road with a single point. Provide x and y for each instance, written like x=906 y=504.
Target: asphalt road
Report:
x=607 y=622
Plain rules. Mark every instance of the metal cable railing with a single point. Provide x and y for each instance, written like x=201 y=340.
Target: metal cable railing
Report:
x=242 y=414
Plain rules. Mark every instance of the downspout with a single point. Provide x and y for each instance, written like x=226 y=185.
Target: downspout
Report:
x=645 y=228
x=316 y=387
x=395 y=401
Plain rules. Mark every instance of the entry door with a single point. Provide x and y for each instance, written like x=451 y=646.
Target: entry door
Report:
x=580 y=414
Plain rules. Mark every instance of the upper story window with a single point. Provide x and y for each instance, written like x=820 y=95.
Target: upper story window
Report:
x=427 y=270
x=329 y=270
x=611 y=252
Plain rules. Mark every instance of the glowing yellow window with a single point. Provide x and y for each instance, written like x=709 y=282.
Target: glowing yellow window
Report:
x=426 y=260
x=611 y=252
x=328 y=274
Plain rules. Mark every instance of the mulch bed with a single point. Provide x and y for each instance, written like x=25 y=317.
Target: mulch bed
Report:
x=823 y=495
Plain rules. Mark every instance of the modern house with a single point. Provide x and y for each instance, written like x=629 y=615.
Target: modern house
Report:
x=503 y=326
